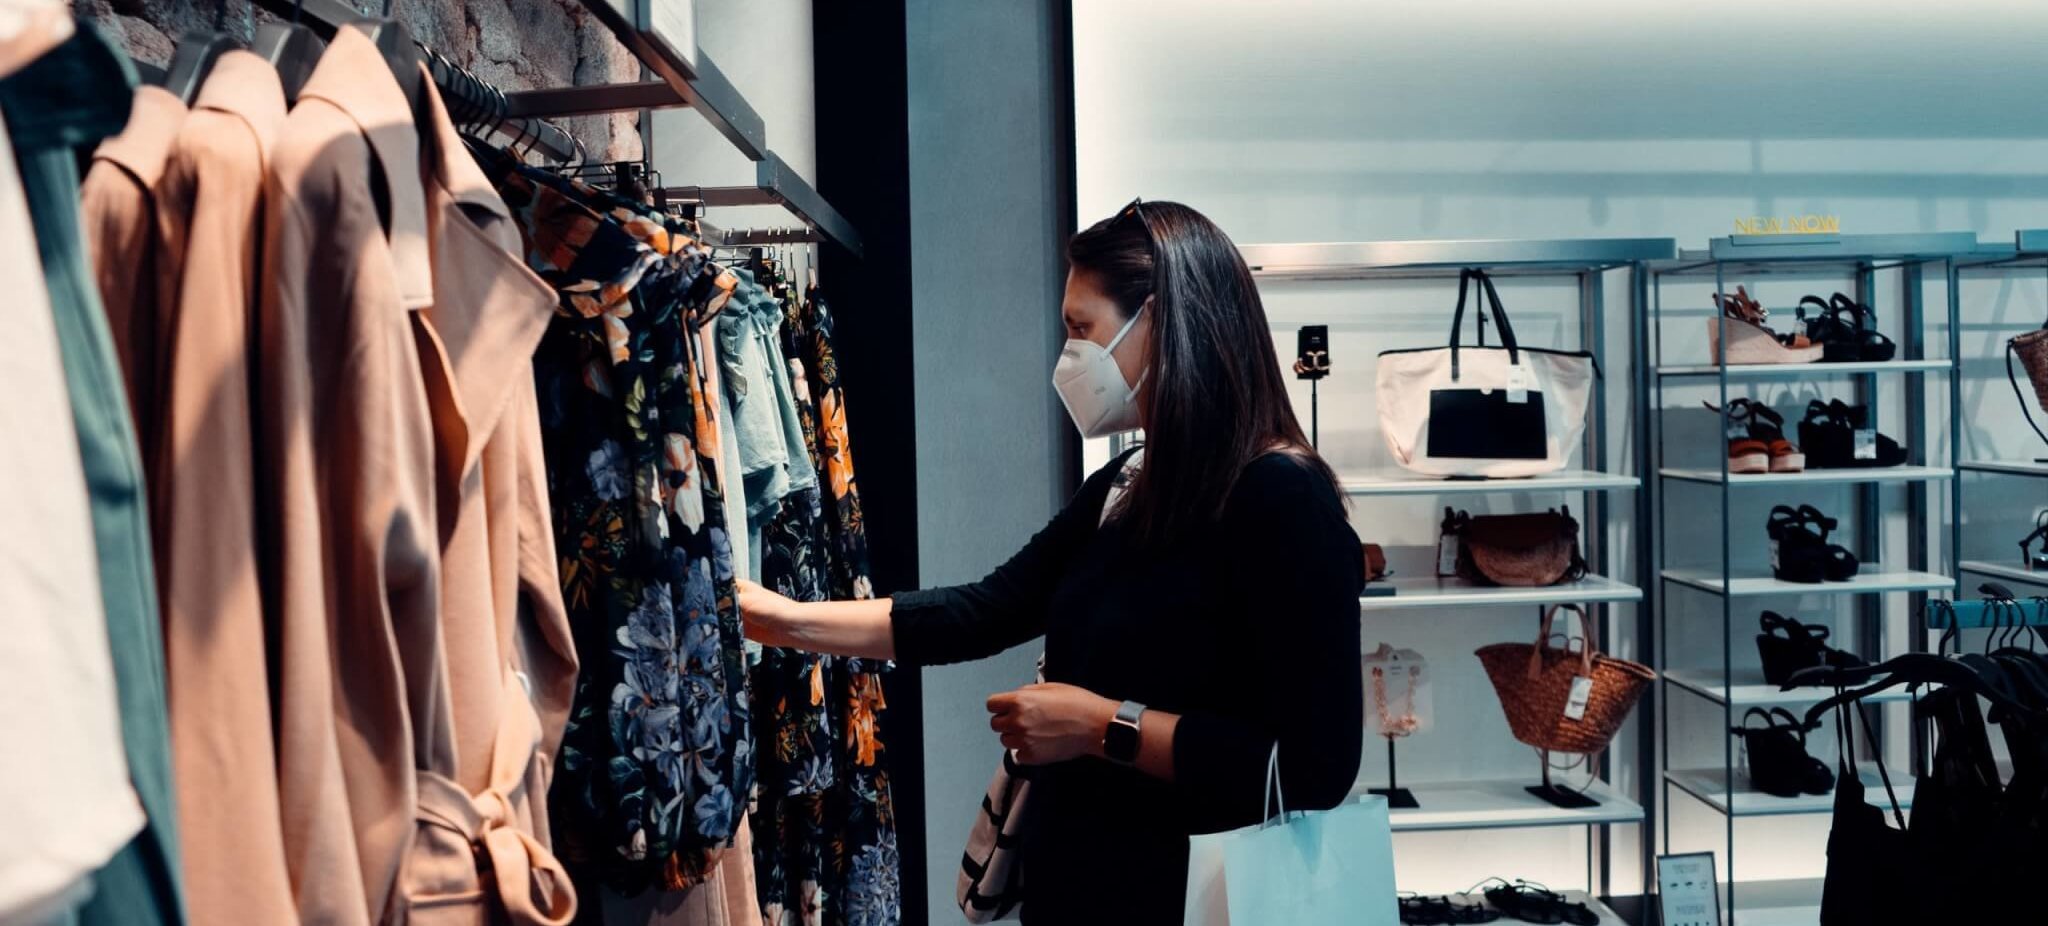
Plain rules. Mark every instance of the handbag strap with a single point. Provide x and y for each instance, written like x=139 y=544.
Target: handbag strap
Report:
x=1543 y=639
x=1466 y=280
x=2011 y=348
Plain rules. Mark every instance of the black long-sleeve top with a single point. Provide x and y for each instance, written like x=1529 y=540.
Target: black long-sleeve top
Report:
x=1247 y=628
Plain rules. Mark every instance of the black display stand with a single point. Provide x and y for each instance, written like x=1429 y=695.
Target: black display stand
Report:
x=1398 y=798
x=1559 y=797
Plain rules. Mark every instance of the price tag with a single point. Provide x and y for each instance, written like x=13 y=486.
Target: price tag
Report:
x=1575 y=706
x=1737 y=431
x=1866 y=443
x=1774 y=557
x=1447 y=555
x=1521 y=381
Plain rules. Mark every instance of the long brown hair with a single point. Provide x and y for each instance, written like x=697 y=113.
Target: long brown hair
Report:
x=1217 y=399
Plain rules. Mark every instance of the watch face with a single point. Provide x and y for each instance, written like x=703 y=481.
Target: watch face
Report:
x=1120 y=742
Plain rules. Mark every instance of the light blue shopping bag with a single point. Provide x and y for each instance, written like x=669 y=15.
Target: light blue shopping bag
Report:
x=1317 y=868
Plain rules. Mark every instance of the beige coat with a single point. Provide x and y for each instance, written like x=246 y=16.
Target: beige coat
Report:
x=203 y=479
x=415 y=591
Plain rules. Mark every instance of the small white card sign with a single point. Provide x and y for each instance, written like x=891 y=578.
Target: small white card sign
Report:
x=1687 y=893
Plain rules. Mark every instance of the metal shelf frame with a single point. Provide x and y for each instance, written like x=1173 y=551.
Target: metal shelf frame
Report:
x=1587 y=261
x=1860 y=258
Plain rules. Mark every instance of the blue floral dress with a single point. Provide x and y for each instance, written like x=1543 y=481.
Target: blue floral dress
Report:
x=824 y=826
x=656 y=764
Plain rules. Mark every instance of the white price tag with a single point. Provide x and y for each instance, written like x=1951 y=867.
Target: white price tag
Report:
x=1737 y=431
x=1575 y=706
x=1447 y=555
x=1866 y=443
x=1774 y=556
x=1521 y=382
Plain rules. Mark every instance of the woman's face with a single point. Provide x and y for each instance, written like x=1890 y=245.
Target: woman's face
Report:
x=1090 y=315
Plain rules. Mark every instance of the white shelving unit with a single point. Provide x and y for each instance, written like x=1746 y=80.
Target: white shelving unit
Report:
x=2007 y=467
x=2004 y=571
x=1807 y=370
x=1604 y=481
x=1571 y=480
x=1928 y=347
x=1433 y=592
x=1711 y=786
x=1869 y=581
x=1745 y=688
x=1814 y=476
x=1489 y=805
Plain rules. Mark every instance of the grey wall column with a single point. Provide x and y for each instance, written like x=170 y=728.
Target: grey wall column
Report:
x=988 y=201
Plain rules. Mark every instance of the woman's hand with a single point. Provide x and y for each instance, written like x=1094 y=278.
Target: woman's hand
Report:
x=770 y=617
x=1049 y=723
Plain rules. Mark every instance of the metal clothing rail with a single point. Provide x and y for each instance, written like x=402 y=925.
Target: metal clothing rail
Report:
x=777 y=185
x=1979 y=613
x=471 y=100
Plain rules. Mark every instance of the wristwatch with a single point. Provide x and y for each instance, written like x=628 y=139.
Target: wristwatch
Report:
x=1120 y=741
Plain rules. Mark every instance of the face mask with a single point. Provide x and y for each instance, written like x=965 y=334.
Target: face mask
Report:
x=1092 y=386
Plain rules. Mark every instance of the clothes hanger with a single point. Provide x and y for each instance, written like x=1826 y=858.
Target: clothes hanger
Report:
x=400 y=53
x=1913 y=669
x=291 y=48
x=193 y=60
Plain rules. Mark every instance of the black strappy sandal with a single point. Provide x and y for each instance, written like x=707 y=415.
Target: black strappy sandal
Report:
x=1779 y=764
x=1533 y=903
x=1800 y=551
x=2032 y=560
x=1871 y=344
x=1829 y=435
x=1417 y=910
x=1787 y=646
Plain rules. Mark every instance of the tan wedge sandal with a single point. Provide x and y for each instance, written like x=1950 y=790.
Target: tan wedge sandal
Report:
x=1749 y=342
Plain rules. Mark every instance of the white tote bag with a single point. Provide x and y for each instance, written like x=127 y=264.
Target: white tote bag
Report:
x=1317 y=868
x=1495 y=412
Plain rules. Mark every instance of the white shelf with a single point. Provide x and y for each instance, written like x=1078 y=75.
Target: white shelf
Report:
x=1432 y=592
x=1867 y=582
x=1805 y=370
x=1607 y=916
x=2003 y=571
x=1487 y=805
x=1749 y=689
x=1571 y=480
x=2007 y=467
x=1710 y=786
x=1873 y=474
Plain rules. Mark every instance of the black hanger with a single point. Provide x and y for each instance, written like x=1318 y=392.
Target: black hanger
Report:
x=401 y=54
x=1913 y=669
x=292 y=48
x=193 y=60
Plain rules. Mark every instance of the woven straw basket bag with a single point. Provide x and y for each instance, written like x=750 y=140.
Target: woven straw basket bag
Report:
x=1534 y=682
x=2032 y=349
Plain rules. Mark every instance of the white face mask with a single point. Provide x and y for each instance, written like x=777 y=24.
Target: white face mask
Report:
x=1093 y=388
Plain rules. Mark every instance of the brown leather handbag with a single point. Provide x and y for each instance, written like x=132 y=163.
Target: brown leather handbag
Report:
x=1541 y=548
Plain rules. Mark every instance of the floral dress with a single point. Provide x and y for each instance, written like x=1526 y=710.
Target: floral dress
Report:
x=656 y=763
x=824 y=826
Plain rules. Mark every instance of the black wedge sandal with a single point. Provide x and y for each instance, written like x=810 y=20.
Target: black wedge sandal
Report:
x=1800 y=551
x=1786 y=646
x=1779 y=764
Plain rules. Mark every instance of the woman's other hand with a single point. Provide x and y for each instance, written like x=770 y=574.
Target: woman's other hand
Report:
x=770 y=616
x=1049 y=723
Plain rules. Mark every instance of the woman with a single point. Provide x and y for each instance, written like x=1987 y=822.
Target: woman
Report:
x=1198 y=597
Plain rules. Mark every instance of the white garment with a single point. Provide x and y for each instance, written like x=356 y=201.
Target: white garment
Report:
x=64 y=790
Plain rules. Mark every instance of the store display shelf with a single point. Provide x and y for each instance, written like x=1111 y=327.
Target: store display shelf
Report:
x=1747 y=689
x=1360 y=260
x=1870 y=581
x=1807 y=370
x=2006 y=572
x=1486 y=805
x=1815 y=476
x=1571 y=480
x=2007 y=467
x=1433 y=592
x=1710 y=786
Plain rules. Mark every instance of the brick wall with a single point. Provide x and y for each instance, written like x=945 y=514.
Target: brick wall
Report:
x=514 y=44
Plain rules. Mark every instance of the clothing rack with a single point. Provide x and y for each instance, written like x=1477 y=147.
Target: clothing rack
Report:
x=472 y=102
x=775 y=185
x=1965 y=615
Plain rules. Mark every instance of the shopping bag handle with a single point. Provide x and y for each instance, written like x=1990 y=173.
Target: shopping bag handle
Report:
x=1273 y=789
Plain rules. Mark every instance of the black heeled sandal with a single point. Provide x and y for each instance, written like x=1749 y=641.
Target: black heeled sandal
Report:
x=1776 y=755
x=2036 y=561
x=1533 y=903
x=1828 y=434
x=1785 y=646
x=1844 y=329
